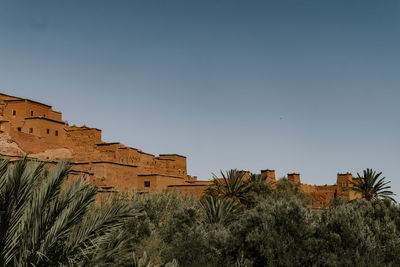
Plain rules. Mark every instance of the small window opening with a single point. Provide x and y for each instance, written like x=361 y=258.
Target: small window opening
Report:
x=30 y=130
x=14 y=112
x=32 y=113
x=44 y=115
x=56 y=133
x=48 y=131
x=19 y=129
x=146 y=183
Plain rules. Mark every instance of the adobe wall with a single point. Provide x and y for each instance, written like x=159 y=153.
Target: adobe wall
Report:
x=4 y=97
x=121 y=177
x=178 y=165
x=15 y=112
x=26 y=108
x=52 y=130
x=39 y=130
x=36 y=128
x=157 y=182
x=196 y=190
x=269 y=174
x=28 y=142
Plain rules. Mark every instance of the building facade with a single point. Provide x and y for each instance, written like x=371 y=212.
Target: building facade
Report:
x=28 y=126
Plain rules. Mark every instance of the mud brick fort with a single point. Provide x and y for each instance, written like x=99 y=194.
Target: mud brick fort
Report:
x=27 y=126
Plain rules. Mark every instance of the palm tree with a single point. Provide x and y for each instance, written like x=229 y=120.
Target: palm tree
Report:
x=219 y=210
x=232 y=185
x=47 y=222
x=371 y=186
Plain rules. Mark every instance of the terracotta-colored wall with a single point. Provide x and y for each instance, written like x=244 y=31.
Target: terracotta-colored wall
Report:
x=53 y=131
x=118 y=176
x=158 y=182
x=24 y=108
x=197 y=190
x=294 y=177
x=19 y=107
x=28 y=142
x=114 y=166
x=179 y=165
x=270 y=174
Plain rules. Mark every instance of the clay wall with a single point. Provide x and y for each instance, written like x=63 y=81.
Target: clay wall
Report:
x=165 y=166
x=343 y=180
x=121 y=177
x=27 y=108
x=157 y=182
x=82 y=141
x=127 y=155
x=52 y=130
x=30 y=143
x=294 y=177
x=114 y=166
x=4 y=97
x=15 y=112
x=5 y=126
x=54 y=115
x=83 y=136
x=196 y=190
x=34 y=109
x=146 y=163
x=269 y=174
x=108 y=151
x=179 y=165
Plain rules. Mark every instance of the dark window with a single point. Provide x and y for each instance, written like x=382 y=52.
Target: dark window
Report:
x=30 y=130
x=44 y=115
x=31 y=113
x=14 y=112
x=48 y=131
x=56 y=133
x=19 y=129
x=146 y=183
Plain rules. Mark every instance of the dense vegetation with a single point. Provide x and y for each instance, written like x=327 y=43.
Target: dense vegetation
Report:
x=47 y=221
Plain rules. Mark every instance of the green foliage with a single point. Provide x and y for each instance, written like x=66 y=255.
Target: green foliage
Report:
x=219 y=210
x=173 y=226
x=359 y=233
x=370 y=186
x=42 y=224
x=286 y=188
x=232 y=186
x=259 y=188
x=274 y=233
x=240 y=223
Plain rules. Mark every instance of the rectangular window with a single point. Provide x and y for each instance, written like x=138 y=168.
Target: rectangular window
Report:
x=56 y=133
x=146 y=183
x=30 y=130
x=32 y=113
x=19 y=129
x=14 y=112
x=48 y=131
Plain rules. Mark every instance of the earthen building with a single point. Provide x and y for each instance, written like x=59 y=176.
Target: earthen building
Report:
x=28 y=126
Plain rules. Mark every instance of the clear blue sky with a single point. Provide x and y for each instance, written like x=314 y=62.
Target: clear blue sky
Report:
x=304 y=86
